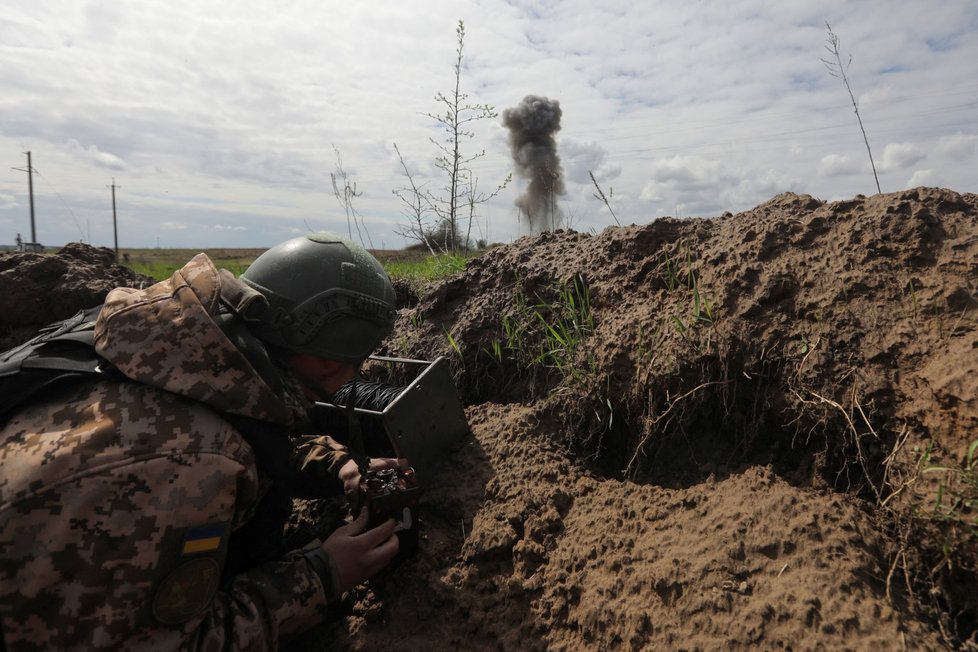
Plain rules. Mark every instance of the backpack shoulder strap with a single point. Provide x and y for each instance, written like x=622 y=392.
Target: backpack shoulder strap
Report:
x=59 y=352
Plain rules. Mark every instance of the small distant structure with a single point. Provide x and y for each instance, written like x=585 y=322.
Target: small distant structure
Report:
x=36 y=247
x=29 y=246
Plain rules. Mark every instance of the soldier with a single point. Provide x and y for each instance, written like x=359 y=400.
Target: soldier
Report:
x=132 y=499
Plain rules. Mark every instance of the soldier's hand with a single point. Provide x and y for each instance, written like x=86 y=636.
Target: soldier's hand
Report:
x=350 y=474
x=360 y=554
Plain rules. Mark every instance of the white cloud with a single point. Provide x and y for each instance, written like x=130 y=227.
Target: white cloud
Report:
x=7 y=201
x=175 y=226
x=229 y=227
x=922 y=178
x=837 y=165
x=93 y=154
x=959 y=146
x=898 y=156
x=693 y=185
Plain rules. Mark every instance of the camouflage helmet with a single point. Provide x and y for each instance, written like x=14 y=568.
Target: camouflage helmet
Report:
x=327 y=296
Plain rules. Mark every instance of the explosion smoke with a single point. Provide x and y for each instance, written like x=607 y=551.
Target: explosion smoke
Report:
x=532 y=125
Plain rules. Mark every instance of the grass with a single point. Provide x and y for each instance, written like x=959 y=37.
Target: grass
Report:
x=161 y=263
x=541 y=347
x=938 y=541
x=957 y=492
x=540 y=337
x=566 y=325
x=416 y=267
x=426 y=269
x=679 y=275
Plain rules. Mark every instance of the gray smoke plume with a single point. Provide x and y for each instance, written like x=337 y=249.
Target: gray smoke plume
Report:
x=532 y=125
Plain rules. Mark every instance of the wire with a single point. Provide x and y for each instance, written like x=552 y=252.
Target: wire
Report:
x=71 y=212
x=367 y=435
x=369 y=395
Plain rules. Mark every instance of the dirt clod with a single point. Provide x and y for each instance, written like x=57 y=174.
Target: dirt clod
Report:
x=38 y=289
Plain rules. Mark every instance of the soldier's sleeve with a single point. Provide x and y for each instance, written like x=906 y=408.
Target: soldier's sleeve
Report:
x=265 y=604
x=255 y=609
x=316 y=467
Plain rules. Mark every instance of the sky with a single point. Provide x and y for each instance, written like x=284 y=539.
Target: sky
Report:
x=221 y=122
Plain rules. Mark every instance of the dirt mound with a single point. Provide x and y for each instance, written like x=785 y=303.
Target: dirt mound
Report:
x=38 y=289
x=750 y=430
x=703 y=433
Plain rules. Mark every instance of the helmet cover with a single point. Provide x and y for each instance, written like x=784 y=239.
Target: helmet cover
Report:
x=327 y=296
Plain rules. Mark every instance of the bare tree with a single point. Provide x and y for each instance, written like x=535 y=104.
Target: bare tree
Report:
x=345 y=191
x=836 y=69
x=415 y=208
x=455 y=120
x=472 y=198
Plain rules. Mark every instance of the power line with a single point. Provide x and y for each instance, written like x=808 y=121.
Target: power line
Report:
x=62 y=199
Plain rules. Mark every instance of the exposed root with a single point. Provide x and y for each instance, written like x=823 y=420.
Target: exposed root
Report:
x=653 y=423
x=851 y=427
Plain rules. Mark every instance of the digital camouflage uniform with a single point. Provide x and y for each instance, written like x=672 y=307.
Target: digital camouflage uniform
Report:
x=118 y=499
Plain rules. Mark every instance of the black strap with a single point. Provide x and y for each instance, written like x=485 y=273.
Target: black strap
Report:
x=60 y=352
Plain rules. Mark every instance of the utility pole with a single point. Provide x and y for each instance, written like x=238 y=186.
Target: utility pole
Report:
x=30 y=190
x=115 y=230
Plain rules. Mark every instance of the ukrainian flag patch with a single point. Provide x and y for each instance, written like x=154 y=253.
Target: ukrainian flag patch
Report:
x=207 y=538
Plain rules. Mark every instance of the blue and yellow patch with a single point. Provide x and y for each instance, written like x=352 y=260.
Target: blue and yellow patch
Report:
x=202 y=539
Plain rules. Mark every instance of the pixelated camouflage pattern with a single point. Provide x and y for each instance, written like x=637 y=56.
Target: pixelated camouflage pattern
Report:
x=165 y=336
x=95 y=476
x=316 y=467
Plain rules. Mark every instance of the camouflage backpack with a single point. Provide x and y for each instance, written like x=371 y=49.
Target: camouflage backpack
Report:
x=64 y=352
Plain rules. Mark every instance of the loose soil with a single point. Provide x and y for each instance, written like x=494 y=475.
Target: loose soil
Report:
x=698 y=434
x=38 y=289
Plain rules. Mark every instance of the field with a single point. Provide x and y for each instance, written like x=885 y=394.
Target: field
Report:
x=161 y=263
x=412 y=265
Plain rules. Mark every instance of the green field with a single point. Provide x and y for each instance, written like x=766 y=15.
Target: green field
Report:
x=161 y=263
x=416 y=266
